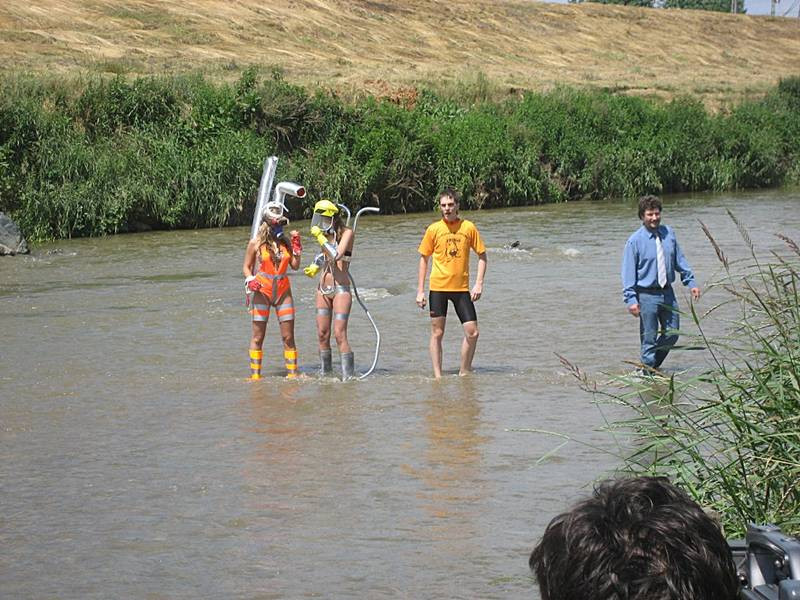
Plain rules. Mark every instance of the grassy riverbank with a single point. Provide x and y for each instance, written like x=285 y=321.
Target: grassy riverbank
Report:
x=83 y=157
x=102 y=130
x=381 y=47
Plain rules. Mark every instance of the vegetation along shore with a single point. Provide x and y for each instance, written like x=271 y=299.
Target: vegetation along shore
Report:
x=97 y=156
x=122 y=117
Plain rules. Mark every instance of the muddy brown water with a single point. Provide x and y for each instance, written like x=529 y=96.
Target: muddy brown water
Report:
x=136 y=461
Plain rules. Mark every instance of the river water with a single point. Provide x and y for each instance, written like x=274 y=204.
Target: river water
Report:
x=136 y=461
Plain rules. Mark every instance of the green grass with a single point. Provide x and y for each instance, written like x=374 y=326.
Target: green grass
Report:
x=98 y=155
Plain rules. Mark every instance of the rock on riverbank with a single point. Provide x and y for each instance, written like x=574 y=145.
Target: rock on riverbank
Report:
x=11 y=240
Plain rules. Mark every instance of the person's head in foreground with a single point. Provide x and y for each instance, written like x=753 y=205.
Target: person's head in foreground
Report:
x=634 y=539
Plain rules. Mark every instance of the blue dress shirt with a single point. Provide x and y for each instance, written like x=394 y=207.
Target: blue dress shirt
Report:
x=639 y=265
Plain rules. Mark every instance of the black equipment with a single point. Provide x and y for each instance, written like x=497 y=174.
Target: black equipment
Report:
x=767 y=564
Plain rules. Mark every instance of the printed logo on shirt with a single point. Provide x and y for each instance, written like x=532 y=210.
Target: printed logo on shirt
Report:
x=453 y=247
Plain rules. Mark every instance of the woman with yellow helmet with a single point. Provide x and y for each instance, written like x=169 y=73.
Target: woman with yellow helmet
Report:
x=334 y=298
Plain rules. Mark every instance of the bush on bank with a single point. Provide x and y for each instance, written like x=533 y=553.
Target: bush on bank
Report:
x=97 y=156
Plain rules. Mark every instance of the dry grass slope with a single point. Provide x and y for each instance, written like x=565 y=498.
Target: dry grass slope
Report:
x=372 y=44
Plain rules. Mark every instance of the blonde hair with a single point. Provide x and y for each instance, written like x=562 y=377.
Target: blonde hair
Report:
x=266 y=236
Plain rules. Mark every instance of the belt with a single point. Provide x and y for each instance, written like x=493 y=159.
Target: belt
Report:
x=654 y=289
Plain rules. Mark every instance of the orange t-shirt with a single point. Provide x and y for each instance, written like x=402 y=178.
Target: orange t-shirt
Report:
x=449 y=244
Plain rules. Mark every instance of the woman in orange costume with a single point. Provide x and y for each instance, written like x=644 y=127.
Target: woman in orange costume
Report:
x=266 y=262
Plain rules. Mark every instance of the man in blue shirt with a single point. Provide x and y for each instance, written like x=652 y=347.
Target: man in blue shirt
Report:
x=649 y=262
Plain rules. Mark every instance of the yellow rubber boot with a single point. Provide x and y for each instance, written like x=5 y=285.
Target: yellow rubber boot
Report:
x=255 y=364
x=290 y=358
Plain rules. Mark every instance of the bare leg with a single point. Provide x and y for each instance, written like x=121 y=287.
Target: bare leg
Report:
x=342 y=303
x=324 y=322
x=287 y=334
x=289 y=350
x=256 y=354
x=257 y=337
x=259 y=327
x=468 y=346
x=437 y=333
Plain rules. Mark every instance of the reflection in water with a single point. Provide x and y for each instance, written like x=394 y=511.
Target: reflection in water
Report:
x=303 y=455
x=275 y=468
x=452 y=489
x=280 y=435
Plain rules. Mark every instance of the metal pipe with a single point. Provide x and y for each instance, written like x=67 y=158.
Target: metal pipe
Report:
x=358 y=214
x=267 y=176
x=287 y=188
x=358 y=297
x=347 y=210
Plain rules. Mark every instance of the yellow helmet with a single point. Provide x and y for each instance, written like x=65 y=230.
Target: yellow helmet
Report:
x=326 y=208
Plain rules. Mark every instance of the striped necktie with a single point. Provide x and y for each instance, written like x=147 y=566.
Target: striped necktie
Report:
x=662 y=265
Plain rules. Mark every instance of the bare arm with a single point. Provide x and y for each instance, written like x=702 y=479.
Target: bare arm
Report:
x=294 y=262
x=250 y=258
x=331 y=252
x=422 y=271
x=477 y=289
x=345 y=244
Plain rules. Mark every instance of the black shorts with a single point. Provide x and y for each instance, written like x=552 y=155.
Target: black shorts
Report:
x=462 y=301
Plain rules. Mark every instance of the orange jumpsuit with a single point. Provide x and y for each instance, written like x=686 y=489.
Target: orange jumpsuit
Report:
x=275 y=286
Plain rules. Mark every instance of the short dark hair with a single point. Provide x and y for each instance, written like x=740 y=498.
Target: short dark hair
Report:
x=450 y=193
x=634 y=539
x=649 y=202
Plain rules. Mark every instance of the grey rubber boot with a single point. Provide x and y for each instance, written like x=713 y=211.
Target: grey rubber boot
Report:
x=325 y=361
x=348 y=366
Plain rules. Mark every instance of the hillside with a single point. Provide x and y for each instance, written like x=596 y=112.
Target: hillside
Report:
x=388 y=44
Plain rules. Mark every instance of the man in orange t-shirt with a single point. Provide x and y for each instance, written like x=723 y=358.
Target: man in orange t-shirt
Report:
x=449 y=242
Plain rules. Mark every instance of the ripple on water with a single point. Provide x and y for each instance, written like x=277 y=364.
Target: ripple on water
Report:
x=374 y=293
x=525 y=252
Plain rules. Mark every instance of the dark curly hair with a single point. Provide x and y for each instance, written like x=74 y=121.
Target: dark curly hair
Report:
x=649 y=202
x=634 y=539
